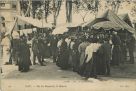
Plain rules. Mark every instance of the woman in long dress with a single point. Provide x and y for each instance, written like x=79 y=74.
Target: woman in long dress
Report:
x=116 y=52
x=81 y=50
x=63 y=56
x=89 y=66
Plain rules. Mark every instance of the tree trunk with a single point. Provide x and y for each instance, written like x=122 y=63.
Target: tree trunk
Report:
x=28 y=9
x=56 y=10
x=18 y=7
x=69 y=11
x=113 y=6
x=46 y=20
x=117 y=8
x=58 y=7
x=66 y=11
x=46 y=10
x=83 y=19
x=55 y=20
x=34 y=6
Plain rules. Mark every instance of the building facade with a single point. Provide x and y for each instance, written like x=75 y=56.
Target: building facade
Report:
x=9 y=9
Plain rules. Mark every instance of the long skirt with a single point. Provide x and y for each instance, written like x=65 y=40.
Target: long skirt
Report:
x=82 y=58
x=116 y=55
x=70 y=62
x=100 y=64
x=89 y=69
x=63 y=58
x=24 y=64
x=45 y=52
x=124 y=53
x=75 y=61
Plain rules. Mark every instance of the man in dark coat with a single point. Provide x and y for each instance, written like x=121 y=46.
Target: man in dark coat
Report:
x=106 y=56
x=116 y=52
x=15 y=50
x=42 y=47
x=24 y=57
x=54 y=48
x=46 y=47
x=131 y=47
x=36 y=51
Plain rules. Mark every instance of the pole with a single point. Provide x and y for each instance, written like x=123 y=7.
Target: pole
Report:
x=42 y=22
x=18 y=7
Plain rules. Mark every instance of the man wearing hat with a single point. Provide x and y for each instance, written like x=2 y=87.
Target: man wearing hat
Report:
x=116 y=52
x=36 y=50
x=106 y=56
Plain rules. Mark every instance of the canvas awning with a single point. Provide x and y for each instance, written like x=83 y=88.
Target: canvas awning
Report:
x=106 y=25
x=60 y=30
x=11 y=27
x=71 y=25
x=91 y=22
x=25 y=31
x=35 y=22
x=111 y=16
x=126 y=18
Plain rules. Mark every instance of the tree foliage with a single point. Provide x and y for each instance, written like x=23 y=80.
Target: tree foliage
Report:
x=43 y=8
x=56 y=5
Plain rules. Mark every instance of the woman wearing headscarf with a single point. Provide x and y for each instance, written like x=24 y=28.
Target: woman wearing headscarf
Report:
x=89 y=66
x=63 y=56
x=81 y=50
x=71 y=53
x=104 y=58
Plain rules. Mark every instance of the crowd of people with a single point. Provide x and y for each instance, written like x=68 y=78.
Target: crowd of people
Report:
x=83 y=52
x=92 y=55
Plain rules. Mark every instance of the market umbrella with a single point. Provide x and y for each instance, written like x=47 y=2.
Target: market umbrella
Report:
x=60 y=30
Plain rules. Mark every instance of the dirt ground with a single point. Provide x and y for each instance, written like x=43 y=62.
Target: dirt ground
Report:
x=51 y=78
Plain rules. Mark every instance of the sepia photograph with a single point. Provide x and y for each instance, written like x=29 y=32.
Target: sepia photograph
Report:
x=67 y=45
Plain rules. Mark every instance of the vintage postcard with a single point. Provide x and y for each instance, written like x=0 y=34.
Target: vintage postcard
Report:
x=67 y=45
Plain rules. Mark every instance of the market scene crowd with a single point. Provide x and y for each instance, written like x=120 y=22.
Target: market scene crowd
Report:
x=89 y=49
x=89 y=53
